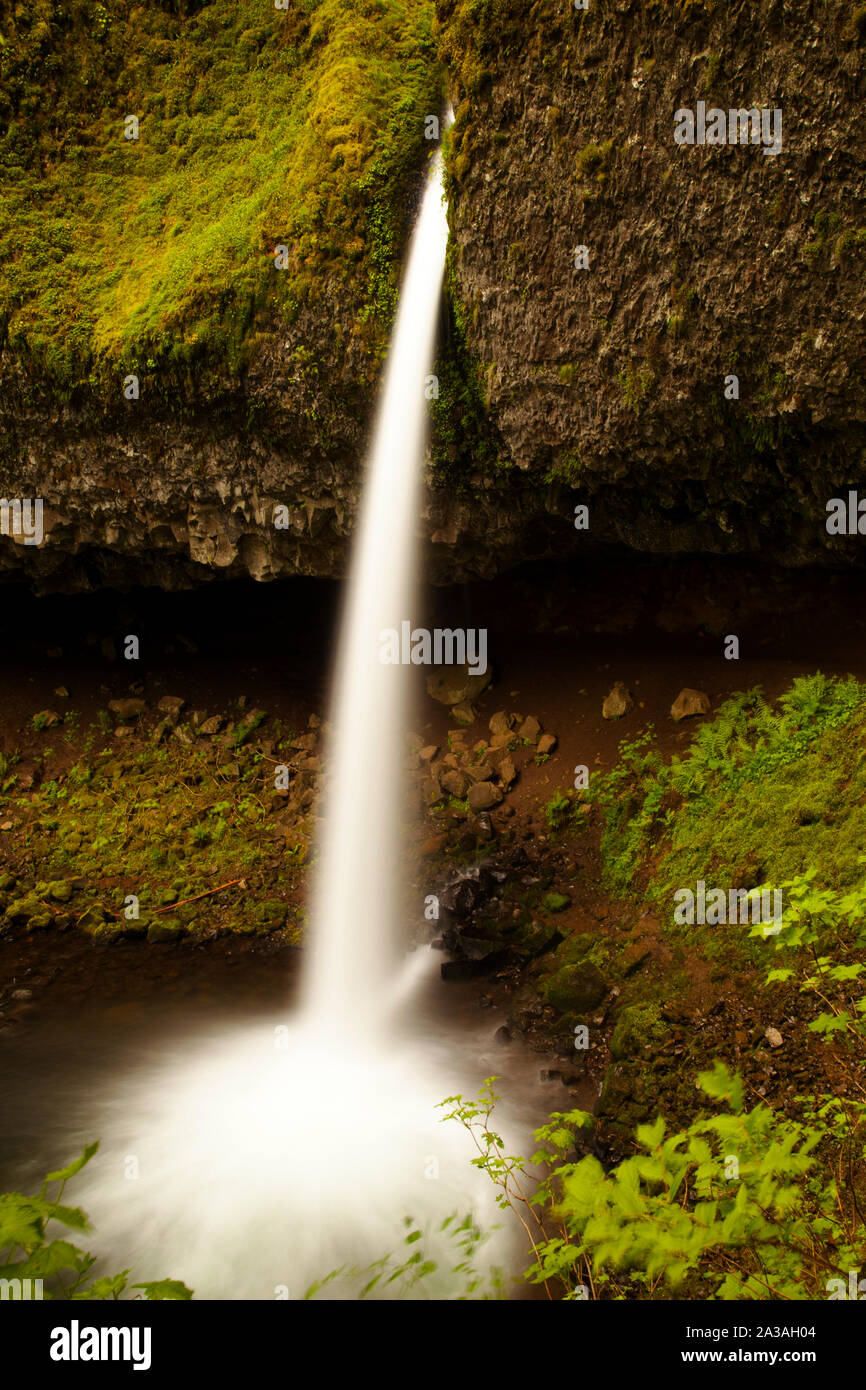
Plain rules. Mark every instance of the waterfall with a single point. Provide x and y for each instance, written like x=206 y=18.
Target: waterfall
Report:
x=356 y=897
x=272 y=1153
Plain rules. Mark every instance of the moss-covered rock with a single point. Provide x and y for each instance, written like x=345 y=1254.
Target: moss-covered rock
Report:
x=637 y=1028
x=575 y=989
x=165 y=929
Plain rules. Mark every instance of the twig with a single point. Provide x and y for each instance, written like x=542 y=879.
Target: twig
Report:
x=170 y=907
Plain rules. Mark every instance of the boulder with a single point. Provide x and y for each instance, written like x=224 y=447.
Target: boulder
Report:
x=575 y=988
x=455 y=685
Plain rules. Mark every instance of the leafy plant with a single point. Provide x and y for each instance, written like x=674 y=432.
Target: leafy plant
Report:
x=733 y=1207
x=26 y=1252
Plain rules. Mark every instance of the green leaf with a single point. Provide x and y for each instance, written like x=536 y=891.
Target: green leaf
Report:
x=108 y=1287
x=64 y=1174
x=165 y=1290
x=21 y=1221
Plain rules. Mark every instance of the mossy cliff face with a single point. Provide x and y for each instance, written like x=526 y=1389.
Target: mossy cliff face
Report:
x=305 y=128
x=239 y=258
x=703 y=262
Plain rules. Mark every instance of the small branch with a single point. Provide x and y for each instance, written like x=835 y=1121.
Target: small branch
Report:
x=170 y=907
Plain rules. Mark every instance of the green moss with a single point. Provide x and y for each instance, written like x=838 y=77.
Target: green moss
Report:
x=762 y=794
x=164 y=823
x=464 y=441
x=594 y=161
x=637 y=1028
x=637 y=382
x=257 y=128
x=555 y=902
x=827 y=225
x=850 y=243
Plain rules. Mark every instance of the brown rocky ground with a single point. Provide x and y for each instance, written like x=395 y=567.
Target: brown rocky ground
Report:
x=495 y=837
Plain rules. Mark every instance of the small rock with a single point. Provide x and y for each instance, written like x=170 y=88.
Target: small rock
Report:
x=481 y=826
x=480 y=772
x=21 y=994
x=688 y=703
x=432 y=846
x=47 y=718
x=507 y=773
x=183 y=735
x=546 y=744
x=127 y=709
x=465 y=712
x=483 y=795
x=618 y=702
x=123 y=731
x=500 y=723
x=171 y=704
x=212 y=726
x=530 y=729
x=164 y=929
x=62 y=693
x=774 y=1037
x=428 y=752
x=454 y=783
x=634 y=957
